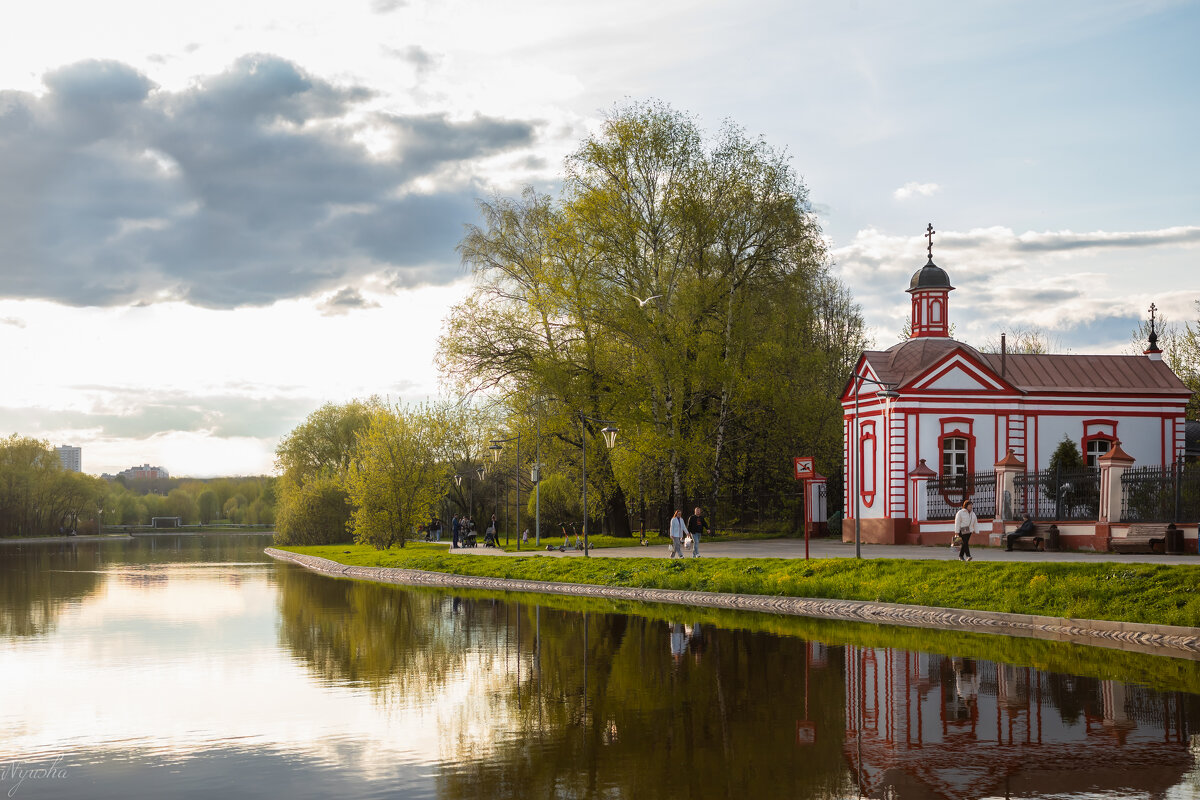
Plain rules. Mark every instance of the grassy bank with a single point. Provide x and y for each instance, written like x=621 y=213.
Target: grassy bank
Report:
x=600 y=542
x=1145 y=593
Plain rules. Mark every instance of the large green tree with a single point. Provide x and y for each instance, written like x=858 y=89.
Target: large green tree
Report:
x=399 y=474
x=37 y=496
x=314 y=460
x=678 y=286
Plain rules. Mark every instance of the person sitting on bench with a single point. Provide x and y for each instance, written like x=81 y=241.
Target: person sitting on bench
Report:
x=1025 y=530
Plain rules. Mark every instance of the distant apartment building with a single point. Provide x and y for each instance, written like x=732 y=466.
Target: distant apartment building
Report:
x=71 y=458
x=144 y=472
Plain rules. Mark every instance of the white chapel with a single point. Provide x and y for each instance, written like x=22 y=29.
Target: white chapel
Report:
x=931 y=408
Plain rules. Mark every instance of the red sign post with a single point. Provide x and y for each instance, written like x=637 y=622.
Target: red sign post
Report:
x=804 y=471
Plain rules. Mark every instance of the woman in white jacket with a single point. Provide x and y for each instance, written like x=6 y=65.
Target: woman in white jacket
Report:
x=965 y=523
x=678 y=531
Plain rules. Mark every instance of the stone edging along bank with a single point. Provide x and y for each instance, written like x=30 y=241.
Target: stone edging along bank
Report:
x=1155 y=639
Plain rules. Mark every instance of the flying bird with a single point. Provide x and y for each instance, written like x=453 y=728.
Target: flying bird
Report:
x=641 y=302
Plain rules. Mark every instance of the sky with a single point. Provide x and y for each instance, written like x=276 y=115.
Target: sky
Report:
x=215 y=218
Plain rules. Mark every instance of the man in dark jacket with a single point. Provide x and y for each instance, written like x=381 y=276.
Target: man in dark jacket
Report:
x=1026 y=528
x=695 y=524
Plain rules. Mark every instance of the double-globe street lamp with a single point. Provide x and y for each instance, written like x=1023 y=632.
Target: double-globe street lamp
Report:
x=887 y=394
x=610 y=438
x=497 y=446
x=480 y=471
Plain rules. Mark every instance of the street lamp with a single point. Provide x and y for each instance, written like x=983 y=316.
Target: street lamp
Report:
x=495 y=448
x=458 y=479
x=887 y=394
x=610 y=438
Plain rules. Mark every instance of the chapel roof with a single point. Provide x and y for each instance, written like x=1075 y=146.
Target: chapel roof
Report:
x=930 y=276
x=1040 y=373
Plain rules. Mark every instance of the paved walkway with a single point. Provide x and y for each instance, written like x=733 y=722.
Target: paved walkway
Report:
x=828 y=548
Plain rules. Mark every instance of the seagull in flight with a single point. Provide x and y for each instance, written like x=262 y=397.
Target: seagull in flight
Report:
x=641 y=302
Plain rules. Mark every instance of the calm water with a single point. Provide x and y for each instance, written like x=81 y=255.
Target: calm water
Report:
x=177 y=666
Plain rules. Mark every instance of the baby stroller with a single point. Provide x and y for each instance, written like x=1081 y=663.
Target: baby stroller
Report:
x=490 y=539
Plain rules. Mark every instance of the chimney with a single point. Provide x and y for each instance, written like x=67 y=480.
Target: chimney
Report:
x=1003 y=354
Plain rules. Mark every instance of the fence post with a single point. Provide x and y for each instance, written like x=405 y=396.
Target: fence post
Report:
x=1006 y=485
x=1177 y=470
x=919 y=507
x=1113 y=465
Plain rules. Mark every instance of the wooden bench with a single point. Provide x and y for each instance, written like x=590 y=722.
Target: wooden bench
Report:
x=1035 y=542
x=1140 y=539
x=1028 y=542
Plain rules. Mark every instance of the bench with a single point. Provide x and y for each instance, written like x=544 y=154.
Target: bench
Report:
x=1140 y=539
x=1034 y=541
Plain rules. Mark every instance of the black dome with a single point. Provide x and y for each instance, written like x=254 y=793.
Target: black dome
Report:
x=930 y=276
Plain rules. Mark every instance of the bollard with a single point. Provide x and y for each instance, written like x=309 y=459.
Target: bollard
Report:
x=1052 y=538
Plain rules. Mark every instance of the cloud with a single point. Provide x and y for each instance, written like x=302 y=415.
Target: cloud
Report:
x=140 y=415
x=912 y=189
x=387 y=6
x=247 y=187
x=16 y=322
x=345 y=301
x=422 y=60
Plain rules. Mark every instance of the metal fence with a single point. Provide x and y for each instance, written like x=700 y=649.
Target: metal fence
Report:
x=1059 y=494
x=1161 y=494
x=945 y=495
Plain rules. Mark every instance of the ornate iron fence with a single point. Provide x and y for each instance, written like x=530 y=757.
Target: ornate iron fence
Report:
x=1161 y=494
x=946 y=495
x=1059 y=495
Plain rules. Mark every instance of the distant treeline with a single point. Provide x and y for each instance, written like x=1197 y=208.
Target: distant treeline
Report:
x=40 y=498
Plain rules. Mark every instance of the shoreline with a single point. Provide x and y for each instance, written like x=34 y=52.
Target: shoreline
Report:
x=107 y=537
x=1162 y=640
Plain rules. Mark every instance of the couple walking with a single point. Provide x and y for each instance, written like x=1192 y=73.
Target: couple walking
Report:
x=691 y=529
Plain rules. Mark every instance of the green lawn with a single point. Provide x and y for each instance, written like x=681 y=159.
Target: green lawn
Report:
x=1146 y=593
x=602 y=542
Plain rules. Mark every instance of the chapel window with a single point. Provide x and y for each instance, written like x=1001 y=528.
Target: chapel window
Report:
x=954 y=457
x=1095 y=449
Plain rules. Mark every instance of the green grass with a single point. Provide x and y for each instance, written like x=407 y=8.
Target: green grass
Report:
x=602 y=542
x=1143 y=593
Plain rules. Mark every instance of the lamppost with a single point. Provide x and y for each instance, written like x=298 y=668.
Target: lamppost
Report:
x=480 y=471
x=886 y=394
x=495 y=448
x=610 y=438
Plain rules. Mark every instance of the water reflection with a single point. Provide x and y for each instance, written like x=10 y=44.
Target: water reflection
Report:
x=922 y=725
x=199 y=667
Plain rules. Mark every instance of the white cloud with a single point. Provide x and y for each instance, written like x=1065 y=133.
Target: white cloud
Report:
x=912 y=189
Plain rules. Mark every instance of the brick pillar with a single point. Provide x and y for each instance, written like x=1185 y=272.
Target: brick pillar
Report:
x=1007 y=470
x=1112 y=466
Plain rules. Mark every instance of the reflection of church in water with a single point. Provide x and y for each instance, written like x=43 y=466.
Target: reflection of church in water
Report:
x=929 y=726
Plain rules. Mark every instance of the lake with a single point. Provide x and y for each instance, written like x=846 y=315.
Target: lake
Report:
x=195 y=666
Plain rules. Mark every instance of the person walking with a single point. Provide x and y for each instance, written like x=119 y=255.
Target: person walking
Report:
x=678 y=529
x=696 y=523
x=455 y=528
x=965 y=524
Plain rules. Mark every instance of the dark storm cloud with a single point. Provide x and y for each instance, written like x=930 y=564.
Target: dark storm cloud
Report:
x=345 y=301
x=247 y=187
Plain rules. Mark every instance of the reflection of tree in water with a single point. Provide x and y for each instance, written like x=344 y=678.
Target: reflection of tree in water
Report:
x=719 y=722
x=567 y=703
x=38 y=581
x=393 y=641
